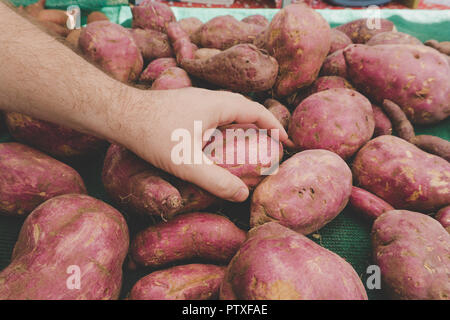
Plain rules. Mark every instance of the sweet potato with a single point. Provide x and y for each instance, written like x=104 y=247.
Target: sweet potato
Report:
x=29 y=177
x=113 y=48
x=443 y=47
x=339 y=120
x=224 y=32
x=243 y=68
x=279 y=111
x=205 y=53
x=393 y=37
x=137 y=186
x=434 y=145
x=56 y=140
x=400 y=122
x=382 y=123
x=335 y=65
x=181 y=43
x=310 y=189
x=413 y=76
x=368 y=204
x=152 y=15
x=172 y=78
x=299 y=39
x=443 y=216
x=276 y=263
x=185 y=282
x=256 y=19
x=246 y=152
x=412 y=251
x=339 y=40
x=96 y=16
x=155 y=68
x=190 y=25
x=152 y=44
x=73 y=37
x=402 y=174
x=361 y=30
x=65 y=235
x=197 y=235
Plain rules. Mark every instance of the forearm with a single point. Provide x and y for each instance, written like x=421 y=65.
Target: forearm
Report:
x=45 y=79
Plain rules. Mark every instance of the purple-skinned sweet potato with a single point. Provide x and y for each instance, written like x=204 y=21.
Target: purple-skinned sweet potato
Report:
x=245 y=151
x=205 y=53
x=172 y=78
x=190 y=25
x=382 y=123
x=402 y=174
x=443 y=47
x=361 y=30
x=152 y=44
x=68 y=237
x=224 y=32
x=433 y=144
x=309 y=190
x=257 y=19
x=340 y=120
x=339 y=40
x=415 y=77
x=112 y=47
x=368 y=204
x=155 y=68
x=56 y=140
x=185 y=282
x=152 y=15
x=443 y=216
x=299 y=39
x=181 y=43
x=335 y=65
x=413 y=253
x=243 y=68
x=29 y=177
x=276 y=263
x=279 y=111
x=137 y=186
x=196 y=235
x=393 y=37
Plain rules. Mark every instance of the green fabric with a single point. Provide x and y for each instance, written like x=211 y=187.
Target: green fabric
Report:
x=348 y=235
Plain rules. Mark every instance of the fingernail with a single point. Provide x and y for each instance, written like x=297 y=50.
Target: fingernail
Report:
x=240 y=195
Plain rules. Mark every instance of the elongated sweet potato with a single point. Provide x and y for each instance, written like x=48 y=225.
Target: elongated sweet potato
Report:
x=112 y=47
x=382 y=123
x=402 y=174
x=279 y=111
x=197 y=235
x=368 y=204
x=137 y=186
x=400 y=122
x=257 y=19
x=243 y=68
x=224 y=32
x=155 y=68
x=434 y=145
x=339 y=120
x=413 y=76
x=152 y=15
x=412 y=251
x=190 y=25
x=58 y=141
x=152 y=44
x=339 y=40
x=443 y=47
x=181 y=43
x=393 y=37
x=172 y=78
x=276 y=263
x=70 y=247
x=443 y=216
x=310 y=189
x=185 y=282
x=205 y=53
x=362 y=30
x=299 y=39
x=29 y=177
x=335 y=65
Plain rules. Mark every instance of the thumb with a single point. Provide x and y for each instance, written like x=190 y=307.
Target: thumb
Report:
x=215 y=180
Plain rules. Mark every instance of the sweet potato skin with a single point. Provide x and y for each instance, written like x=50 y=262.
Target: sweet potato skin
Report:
x=266 y=267
x=335 y=65
x=172 y=78
x=196 y=235
x=155 y=68
x=382 y=123
x=393 y=37
x=190 y=25
x=279 y=111
x=152 y=15
x=412 y=251
x=58 y=141
x=243 y=68
x=416 y=78
x=434 y=145
x=299 y=54
x=368 y=204
x=152 y=44
x=443 y=47
x=402 y=174
x=113 y=48
x=309 y=190
x=256 y=19
x=205 y=53
x=339 y=40
x=29 y=177
x=340 y=120
x=185 y=282
x=443 y=216
x=68 y=230
x=359 y=32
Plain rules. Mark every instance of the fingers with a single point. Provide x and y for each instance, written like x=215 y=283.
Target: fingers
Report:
x=215 y=180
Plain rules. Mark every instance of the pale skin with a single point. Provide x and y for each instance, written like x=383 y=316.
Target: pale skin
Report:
x=45 y=79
